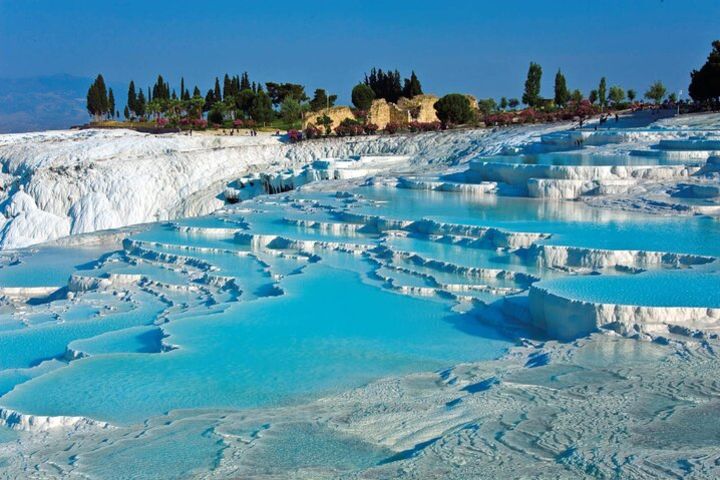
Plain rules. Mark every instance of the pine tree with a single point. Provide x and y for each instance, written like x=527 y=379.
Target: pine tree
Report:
x=656 y=92
x=261 y=109
x=531 y=96
x=616 y=95
x=182 y=88
x=705 y=83
x=562 y=94
x=126 y=112
x=196 y=92
x=319 y=100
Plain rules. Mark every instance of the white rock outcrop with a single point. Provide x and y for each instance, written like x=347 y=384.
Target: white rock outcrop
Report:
x=68 y=182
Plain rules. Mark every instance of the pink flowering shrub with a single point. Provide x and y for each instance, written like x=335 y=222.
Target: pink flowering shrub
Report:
x=370 y=128
x=392 y=127
x=312 y=132
x=294 y=136
x=424 y=126
x=349 y=128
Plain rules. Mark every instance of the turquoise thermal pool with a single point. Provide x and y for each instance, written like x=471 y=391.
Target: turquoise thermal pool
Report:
x=287 y=330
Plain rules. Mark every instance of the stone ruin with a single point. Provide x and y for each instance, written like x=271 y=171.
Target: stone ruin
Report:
x=420 y=108
x=336 y=114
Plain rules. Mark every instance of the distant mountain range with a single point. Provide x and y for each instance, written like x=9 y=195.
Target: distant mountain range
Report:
x=44 y=103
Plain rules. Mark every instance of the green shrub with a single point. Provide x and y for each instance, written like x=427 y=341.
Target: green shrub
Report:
x=215 y=116
x=454 y=109
x=362 y=96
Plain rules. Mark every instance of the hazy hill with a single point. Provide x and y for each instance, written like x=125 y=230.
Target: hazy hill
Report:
x=44 y=103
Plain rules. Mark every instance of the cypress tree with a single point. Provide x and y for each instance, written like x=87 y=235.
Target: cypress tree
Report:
x=132 y=98
x=227 y=86
x=217 y=94
x=412 y=86
x=111 y=103
x=385 y=84
x=182 y=88
x=245 y=82
x=236 y=85
x=396 y=87
x=140 y=104
x=531 y=96
x=92 y=100
x=161 y=89
x=562 y=94
x=97 y=99
x=126 y=112
x=602 y=92
x=209 y=100
x=102 y=94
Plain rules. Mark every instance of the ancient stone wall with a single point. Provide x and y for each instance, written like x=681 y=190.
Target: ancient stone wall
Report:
x=381 y=113
x=420 y=108
x=336 y=114
x=473 y=102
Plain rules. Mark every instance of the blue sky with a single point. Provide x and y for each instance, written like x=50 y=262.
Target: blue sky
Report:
x=479 y=47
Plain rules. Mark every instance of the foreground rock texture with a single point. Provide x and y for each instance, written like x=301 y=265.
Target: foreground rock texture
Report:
x=70 y=182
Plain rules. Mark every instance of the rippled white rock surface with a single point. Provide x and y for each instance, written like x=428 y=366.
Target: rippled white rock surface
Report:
x=388 y=311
